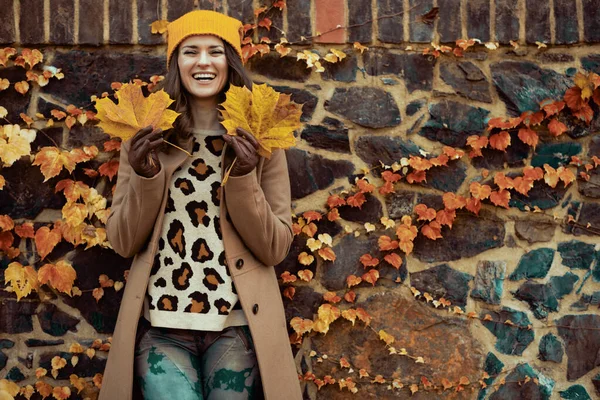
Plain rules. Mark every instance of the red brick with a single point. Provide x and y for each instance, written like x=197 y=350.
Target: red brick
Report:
x=329 y=14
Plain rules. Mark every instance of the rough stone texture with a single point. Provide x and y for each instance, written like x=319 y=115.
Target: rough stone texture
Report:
x=451 y=123
x=443 y=281
x=148 y=11
x=417 y=328
x=366 y=106
x=390 y=29
x=275 y=67
x=556 y=58
x=489 y=281
x=14 y=102
x=31 y=22
x=554 y=154
x=449 y=30
x=7 y=28
x=85 y=367
x=299 y=12
x=332 y=136
x=511 y=339
x=418 y=31
x=576 y=254
x=121 y=23
x=589 y=213
x=478 y=19
x=515 y=389
x=575 y=392
x=467 y=79
x=16 y=316
x=481 y=233
x=537 y=22
x=507 y=21
x=591 y=21
x=91 y=21
x=414 y=106
x=63 y=24
x=590 y=188
x=565 y=15
x=305 y=304
x=522 y=85
x=304 y=97
x=359 y=12
x=534 y=264
x=493 y=366
x=585 y=301
x=514 y=156
x=40 y=343
x=591 y=63
x=538 y=196
x=596 y=383
x=416 y=70
x=543 y=298
x=534 y=231
x=242 y=10
x=370 y=211
x=176 y=8
x=86 y=135
x=551 y=349
x=56 y=322
x=447 y=179
x=15 y=375
x=373 y=149
x=582 y=343
x=342 y=71
x=311 y=172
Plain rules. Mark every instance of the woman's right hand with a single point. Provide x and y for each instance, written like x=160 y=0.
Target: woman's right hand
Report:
x=142 y=154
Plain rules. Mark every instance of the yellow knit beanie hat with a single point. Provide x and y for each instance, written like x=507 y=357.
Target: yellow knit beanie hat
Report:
x=203 y=22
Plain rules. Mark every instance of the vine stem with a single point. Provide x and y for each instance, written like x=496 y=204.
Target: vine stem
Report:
x=226 y=177
x=179 y=148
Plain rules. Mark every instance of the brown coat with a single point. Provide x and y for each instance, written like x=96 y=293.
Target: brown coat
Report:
x=257 y=237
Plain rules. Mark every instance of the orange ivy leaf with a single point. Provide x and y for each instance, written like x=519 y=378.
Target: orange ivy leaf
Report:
x=46 y=240
x=419 y=163
x=265 y=23
x=552 y=107
x=364 y=186
x=60 y=276
x=452 y=153
x=61 y=392
x=333 y=215
x=386 y=243
x=22 y=279
x=386 y=337
x=453 y=201
x=350 y=315
x=52 y=160
x=528 y=136
x=22 y=87
x=556 y=127
x=473 y=205
x=503 y=123
x=305 y=259
x=363 y=315
x=522 y=185
x=500 y=141
x=327 y=254
x=479 y=191
x=446 y=217
x=289 y=292
x=500 y=198
x=353 y=280
x=332 y=297
x=440 y=161
x=477 y=143
x=533 y=173
x=585 y=113
x=369 y=261
x=305 y=274
x=6 y=223
x=344 y=363
x=531 y=118
x=357 y=200
x=286 y=277
x=301 y=325
x=335 y=201
x=25 y=230
x=390 y=176
x=312 y=216
x=416 y=177
x=350 y=296
x=393 y=259
x=503 y=181
x=425 y=213
x=371 y=276
x=310 y=229
x=112 y=145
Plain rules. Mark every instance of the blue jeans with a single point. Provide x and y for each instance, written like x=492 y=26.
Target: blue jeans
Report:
x=177 y=364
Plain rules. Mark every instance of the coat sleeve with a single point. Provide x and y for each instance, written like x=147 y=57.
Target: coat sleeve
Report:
x=135 y=206
x=262 y=213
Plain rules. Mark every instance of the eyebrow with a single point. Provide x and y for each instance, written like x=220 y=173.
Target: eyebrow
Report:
x=193 y=46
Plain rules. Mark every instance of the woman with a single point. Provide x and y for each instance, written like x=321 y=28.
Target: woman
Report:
x=201 y=250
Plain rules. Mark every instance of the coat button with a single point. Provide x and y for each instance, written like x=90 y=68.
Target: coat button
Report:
x=239 y=263
x=255 y=309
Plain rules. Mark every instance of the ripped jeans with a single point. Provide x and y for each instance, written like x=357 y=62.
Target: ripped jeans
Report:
x=177 y=364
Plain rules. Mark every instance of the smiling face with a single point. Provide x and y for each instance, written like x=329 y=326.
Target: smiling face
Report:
x=203 y=66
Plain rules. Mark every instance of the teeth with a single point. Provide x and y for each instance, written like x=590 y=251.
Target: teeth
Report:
x=204 y=76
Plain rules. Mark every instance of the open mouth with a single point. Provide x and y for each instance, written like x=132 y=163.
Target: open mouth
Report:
x=204 y=76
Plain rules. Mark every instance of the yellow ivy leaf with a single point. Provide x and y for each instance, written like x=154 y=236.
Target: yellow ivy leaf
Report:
x=269 y=116
x=386 y=337
x=60 y=276
x=15 y=143
x=10 y=388
x=159 y=26
x=3 y=111
x=22 y=279
x=134 y=111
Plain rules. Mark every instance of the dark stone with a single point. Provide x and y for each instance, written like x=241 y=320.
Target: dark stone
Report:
x=575 y=392
x=7 y=28
x=46 y=107
x=388 y=150
x=299 y=12
x=15 y=375
x=443 y=281
x=86 y=135
x=507 y=20
x=91 y=22
x=590 y=188
x=101 y=315
x=534 y=264
x=470 y=236
x=414 y=106
x=581 y=337
x=311 y=172
x=305 y=304
x=430 y=200
x=27 y=361
x=419 y=32
x=539 y=196
x=400 y=203
x=47 y=137
x=33 y=196
x=537 y=22
x=242 y=10
x=576 y=254
x=327 y=137
x=213 y=5
x=39 y=342
x=121 y=25
x=534 y=231
x=543 y=298
x=177 y=8
x=589 y=213
x=450 y=21
x=451 y=123
x=359 y=12
x=148 y=11
x=565 y=15
x=85 y=368
x=448 y=178
x=467 y=80
x=523 y=85
x=551 y=349
x=555 y=154
x=478 y=19
x=277 y=21
x=290 y=263
x=285 y=68
x=371 y=210
x=304 y=97
x=511 y=339
x=489 y=281
x=391 y=30
x=416 y=70
x=585 y=301
x=6 y=344
x=3 y=360
x=348 y=252
x=493 y=366
x=31 y=22
x=56 y=322
x=89 y=73
x=14 y=102
x=514 y=156
x=556 y=57
x=514 y=388
x=591 y=21
x=591 y=63
x=366 y=106
x=62 y=24
x=342 y=71
x=596 y=383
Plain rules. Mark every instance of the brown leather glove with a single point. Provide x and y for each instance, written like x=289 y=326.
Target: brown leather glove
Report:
x=142 y=154
x=246 y=151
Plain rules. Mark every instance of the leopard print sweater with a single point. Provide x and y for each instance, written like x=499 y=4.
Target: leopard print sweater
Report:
x=190 y=286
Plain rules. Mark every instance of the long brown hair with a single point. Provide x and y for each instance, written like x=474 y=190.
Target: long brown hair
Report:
x=182 y=128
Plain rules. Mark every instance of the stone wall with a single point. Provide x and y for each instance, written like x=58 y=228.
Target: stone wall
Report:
x=535 y=264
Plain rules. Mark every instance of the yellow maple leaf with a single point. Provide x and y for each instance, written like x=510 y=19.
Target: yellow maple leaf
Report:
x=271 y=117
x=60 y=276
x=15 y=143
x=23 y=279
x=134 y=111
x=52 y=160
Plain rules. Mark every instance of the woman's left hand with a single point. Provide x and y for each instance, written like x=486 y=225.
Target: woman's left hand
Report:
x=246 y=150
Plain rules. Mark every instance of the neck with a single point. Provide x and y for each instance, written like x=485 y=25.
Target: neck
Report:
x=205 y=114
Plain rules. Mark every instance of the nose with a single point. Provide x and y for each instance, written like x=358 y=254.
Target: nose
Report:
x=203 y=58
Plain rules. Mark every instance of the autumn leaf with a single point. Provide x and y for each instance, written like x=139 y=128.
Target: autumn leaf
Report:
x=109 y=169
x=425 y=213
x=25 y=230
x=15 y=143
x=387 y=338
x=446 y=217
x=369 y=261
x=479 y=191
x=432 y=230
x=327 y=254
x=301 y=325
x=269 y=116
x=453 y=201
x=350 y=296
x=556 y=127
x=473 y=205
x=305 y=259
x=371 y=276
x=52 y=160
x=134 y=111
x=500 y=141
x=305 y=274
x=356 y=200
x=159 y=26
x=46 y=240
x=332 y=297
x=23 y=279
x=500 y=198
x=353 y=280
x=60 y=276
x=386 y=243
